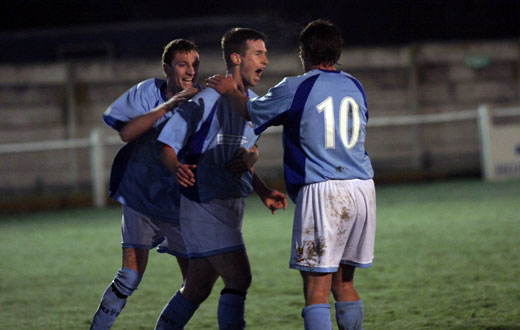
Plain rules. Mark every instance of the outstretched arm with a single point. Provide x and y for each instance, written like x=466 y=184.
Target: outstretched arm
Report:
x=227 y=87
x=242 y=161
x=273 y=199
x=183 y=172
x=138 y=125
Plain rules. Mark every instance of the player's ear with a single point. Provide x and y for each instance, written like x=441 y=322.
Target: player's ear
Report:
x=236 y=58
x=166 y=69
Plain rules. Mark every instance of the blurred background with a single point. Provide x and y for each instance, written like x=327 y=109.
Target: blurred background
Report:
x=442 y=80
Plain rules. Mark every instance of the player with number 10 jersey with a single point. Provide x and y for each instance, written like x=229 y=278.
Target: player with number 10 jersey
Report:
x=324 y=114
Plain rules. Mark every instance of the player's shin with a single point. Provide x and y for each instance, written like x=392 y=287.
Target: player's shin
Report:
x=231 y=307
x=176 y=313
x=317 y=317
x=349 y=315
x=114 y=299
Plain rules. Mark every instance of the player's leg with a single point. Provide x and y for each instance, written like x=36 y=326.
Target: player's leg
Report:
x=343 y=284
x=213 y=238
x=229 y=259
x=349 y=306
x=235 y=270
x=322 y=223
x=317 y=287
x=124 y=284
x=358 y=253
x=200 y=278
x=183 y=266
x=138 y=236
x=135 y=259
x=200 y=275
x=173 y=244
x=316 y=313
x=177 y=312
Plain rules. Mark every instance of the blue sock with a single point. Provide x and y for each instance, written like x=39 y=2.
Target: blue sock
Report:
x=349 y=315
x=317 y=317
x=176 y=313
x=231 y=307
x=114 y=299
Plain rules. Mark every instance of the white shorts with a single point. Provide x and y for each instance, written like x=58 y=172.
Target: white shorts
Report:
x=142 y=232
x=334 y=223
x=212 y=227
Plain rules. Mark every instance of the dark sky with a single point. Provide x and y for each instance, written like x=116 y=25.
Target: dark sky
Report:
x=56 y=30
x=364 y=21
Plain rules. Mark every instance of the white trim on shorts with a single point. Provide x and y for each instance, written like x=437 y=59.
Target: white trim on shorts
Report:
x=334 y=223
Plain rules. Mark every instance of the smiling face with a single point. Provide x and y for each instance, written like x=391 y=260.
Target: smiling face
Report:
x=253 y=63
x=183 y=71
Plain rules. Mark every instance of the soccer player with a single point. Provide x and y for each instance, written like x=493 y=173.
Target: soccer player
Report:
x=199 y=139
x=145 y=188
x=328 y=173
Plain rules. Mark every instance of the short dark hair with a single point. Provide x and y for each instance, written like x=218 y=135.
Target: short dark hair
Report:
x=234 y=41
x=321 y=42
x=176 y=46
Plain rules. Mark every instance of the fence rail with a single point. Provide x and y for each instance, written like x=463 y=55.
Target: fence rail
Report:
x=435 y=118
x=96 y=142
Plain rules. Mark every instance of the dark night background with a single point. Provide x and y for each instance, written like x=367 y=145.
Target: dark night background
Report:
x=364 y=22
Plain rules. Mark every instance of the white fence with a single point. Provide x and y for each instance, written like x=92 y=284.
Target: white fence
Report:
x=95 y=143
x=491 y=154
x=500 y=144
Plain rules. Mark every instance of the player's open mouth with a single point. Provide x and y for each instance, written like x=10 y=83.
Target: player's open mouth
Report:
x=259 y=72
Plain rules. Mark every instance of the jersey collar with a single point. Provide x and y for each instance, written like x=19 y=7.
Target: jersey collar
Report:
x=331 y=71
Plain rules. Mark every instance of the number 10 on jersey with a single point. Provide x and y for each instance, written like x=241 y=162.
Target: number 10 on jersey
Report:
x=348 y=104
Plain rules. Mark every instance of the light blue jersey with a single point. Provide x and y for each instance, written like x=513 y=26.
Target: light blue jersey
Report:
x=324 y=114
x=207 y=132
x=138 y=179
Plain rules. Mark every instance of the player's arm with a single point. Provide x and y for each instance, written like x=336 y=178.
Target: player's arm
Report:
x=242 y=161
x=183 y=172
x=138 y=125
x=273 y=199
x=227 y=87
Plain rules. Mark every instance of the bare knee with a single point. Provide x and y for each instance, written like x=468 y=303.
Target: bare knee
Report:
x=135 y=259
x=197 y=293
x=344 y=291
x=199 y=281
x=343 y=284
x=240 y=280
x=317 y=287
x=234 y=269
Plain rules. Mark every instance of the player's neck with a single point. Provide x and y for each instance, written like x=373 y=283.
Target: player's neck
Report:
x=326 y=67
x=169 y=91
x=238 y=79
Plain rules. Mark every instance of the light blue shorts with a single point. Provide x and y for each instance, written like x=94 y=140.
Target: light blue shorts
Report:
x=142 y=232
x=212 y=227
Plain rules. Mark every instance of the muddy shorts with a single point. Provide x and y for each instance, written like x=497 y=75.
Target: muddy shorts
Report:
x=334 y=223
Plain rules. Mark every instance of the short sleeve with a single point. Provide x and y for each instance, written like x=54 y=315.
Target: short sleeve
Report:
x=269 y=109
x=185 y=121
x=137 y=101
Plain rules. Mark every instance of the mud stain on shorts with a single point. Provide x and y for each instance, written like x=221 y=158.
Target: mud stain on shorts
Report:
x=311 y=252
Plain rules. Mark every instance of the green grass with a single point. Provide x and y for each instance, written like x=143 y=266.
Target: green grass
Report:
x=447 y=257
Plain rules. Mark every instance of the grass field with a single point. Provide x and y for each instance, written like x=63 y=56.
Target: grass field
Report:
x=447 y=257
